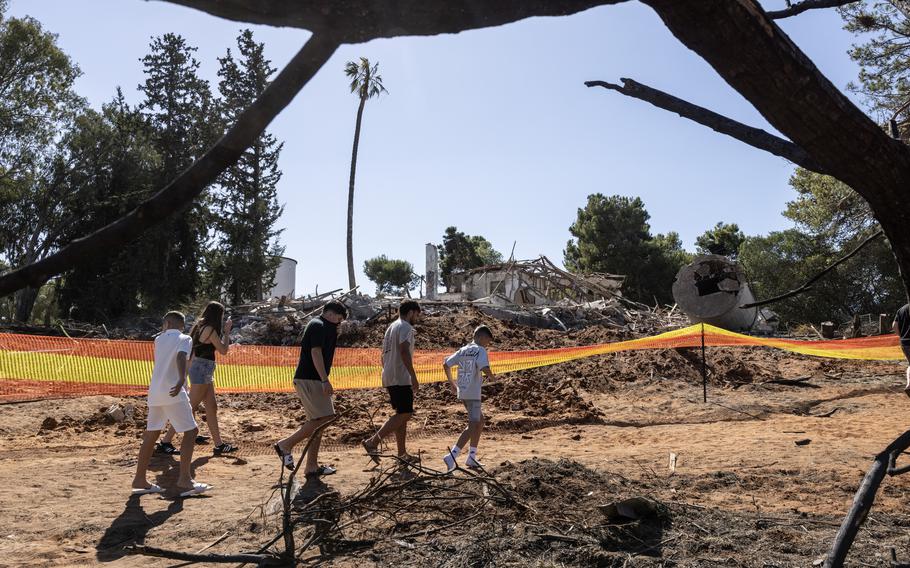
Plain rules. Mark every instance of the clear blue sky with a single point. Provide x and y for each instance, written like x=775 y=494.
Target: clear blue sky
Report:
x=491 y=130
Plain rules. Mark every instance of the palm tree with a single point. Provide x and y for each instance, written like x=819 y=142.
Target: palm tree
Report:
x=366 y=83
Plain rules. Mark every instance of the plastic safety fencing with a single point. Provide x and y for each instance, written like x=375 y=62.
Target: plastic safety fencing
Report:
x=36 y=367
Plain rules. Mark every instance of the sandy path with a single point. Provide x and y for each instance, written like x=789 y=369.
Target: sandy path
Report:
x=64 y=497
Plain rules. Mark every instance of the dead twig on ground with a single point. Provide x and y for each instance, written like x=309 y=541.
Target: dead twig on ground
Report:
x=258 y=559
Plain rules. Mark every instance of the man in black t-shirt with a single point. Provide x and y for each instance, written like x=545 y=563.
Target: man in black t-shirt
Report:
x=311 y=381
x=901 y=327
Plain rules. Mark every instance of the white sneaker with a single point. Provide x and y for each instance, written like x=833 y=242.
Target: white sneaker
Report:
x=473 y=463
x=450 y=462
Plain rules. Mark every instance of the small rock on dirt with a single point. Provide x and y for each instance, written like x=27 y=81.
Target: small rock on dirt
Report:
x=49 y=423
x=115 y=413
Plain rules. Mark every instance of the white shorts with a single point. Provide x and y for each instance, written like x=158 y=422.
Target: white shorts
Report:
x=179 y=414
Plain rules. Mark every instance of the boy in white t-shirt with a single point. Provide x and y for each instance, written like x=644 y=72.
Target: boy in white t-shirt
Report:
x=167 y=401
x=473 y=365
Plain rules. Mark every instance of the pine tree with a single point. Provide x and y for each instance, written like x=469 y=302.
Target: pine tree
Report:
x=179 y=107
x=246 y=208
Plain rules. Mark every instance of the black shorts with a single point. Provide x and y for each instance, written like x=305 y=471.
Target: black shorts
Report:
x=402 y=399
x=906 y=350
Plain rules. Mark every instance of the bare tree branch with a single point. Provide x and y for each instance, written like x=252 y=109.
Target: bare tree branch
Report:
x=752 y=136
x=818 y=276
x=181 y=192
x=356 y=21
x=805 y=5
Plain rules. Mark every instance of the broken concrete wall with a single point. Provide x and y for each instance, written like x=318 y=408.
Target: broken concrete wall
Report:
x=510 y=284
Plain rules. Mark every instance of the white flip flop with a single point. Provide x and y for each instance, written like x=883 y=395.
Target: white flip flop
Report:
x=148 y=490
x=198 y=489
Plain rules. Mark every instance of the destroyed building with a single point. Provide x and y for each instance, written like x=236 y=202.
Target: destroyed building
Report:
x=536 y=282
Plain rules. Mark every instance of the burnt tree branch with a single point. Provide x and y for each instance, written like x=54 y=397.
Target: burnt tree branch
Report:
x=180 y=193
x=818 y=276
x=755 y=137
x=863 y=500
x=805 y=5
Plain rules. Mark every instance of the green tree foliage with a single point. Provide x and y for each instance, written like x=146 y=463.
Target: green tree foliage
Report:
x=391 y=276
x=830 y=220
x=366 y=83
x=122 y=156
x=114 y=164
x=883 y=54
x=612 y=235
x=246 y=251
x=179 y=108
x=724 y=239
x=459 y=252
x=36 y=96
x=37 y=102
x=828 y=209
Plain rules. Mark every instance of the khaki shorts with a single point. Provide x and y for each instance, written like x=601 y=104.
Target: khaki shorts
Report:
x=315 y=403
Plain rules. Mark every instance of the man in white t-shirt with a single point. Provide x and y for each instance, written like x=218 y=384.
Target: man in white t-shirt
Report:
x=473 y=365
x=168 y=402
x=399 y=379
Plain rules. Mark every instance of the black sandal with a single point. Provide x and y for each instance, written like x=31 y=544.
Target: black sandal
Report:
x=224 y=448
x=166 y=448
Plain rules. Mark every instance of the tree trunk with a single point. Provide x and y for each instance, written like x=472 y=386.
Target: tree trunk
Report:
x=352 y=283
x=763 y=64
x=25 y=303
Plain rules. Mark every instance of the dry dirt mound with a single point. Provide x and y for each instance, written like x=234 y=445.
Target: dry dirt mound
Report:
x=132 y=417
x=452 y=330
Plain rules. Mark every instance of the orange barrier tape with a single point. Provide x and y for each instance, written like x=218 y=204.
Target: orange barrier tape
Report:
x=43 y=367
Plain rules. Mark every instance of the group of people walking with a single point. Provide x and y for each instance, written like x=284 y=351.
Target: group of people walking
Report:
x=177 y=355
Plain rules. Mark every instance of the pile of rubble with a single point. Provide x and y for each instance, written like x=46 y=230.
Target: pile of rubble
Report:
x=281 y=321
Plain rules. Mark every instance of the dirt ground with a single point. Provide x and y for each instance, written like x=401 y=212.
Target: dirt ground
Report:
x=565 y=439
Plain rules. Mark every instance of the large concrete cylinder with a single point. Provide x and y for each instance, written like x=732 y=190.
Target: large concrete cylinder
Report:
x=711 y=290
x=285 y=279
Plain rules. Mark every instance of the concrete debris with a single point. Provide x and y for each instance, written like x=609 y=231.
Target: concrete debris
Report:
x=115 y=413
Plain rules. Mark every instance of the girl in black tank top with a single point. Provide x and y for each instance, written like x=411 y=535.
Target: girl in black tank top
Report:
x=209 y=336
x=203 y=350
